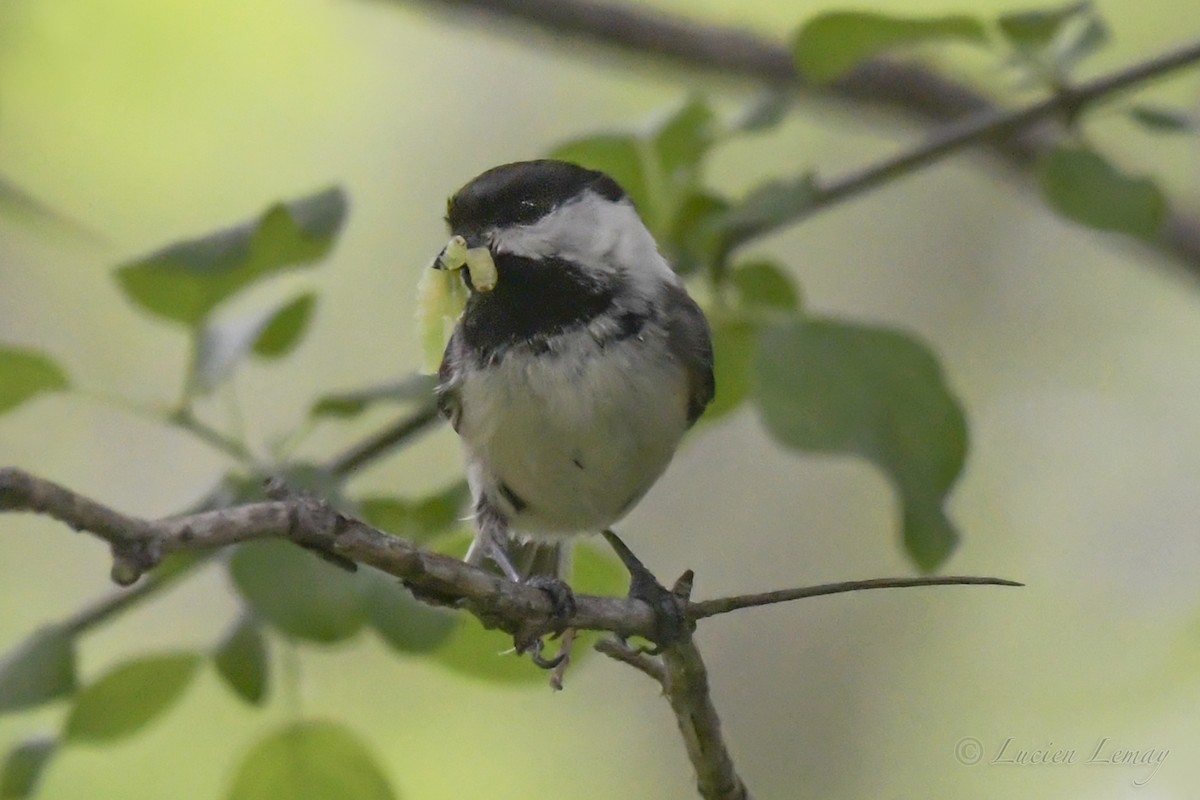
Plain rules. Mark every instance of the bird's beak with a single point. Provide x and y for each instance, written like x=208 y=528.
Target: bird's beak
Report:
x=478 y=261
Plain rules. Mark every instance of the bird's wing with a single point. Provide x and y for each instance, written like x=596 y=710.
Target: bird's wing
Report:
x=450 y=377
x=690 y=340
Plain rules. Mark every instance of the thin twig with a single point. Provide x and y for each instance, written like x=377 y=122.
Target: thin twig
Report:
x=621 y=651
x=401 y=432
x=710 y=608
x=991 y=124
x=732 y=52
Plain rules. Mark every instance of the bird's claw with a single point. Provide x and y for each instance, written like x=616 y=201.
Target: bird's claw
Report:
x=562 y=596
x=671 y=622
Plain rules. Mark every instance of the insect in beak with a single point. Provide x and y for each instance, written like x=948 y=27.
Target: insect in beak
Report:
x=478 y=261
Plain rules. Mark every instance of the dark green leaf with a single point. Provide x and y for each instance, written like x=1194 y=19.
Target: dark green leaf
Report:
x=834 y=42
x=417 y=520
x=695 y=238
x=770 y=206
x=24 y=374
x=764 y=285
x=830 y=387
x=286 y=327
x=621 y=157
x=297 y=592
x=404 y=623
x=350 y=404
x=41 y=669
x=734 y=337
x=1082 y=186
x=1164 y=120
x=185 y=281
x=129 y=697
x=24 y=766
x=310 y=760
x=241 y=659
x=1034 y=30
x=681 y=142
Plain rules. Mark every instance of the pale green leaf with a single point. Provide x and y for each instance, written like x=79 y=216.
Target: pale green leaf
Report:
x=832 y=43
x=23 y=767
x=764 y=285
x=310 y=760
x=185 y=281
x=286 y=327
x=1082 y=186
x=24 y=374
x=41 y=669
x=129 y=697
x=832 y=387
x=241 y=660
x=297 y=592
x=734 y=337
x=400 y=620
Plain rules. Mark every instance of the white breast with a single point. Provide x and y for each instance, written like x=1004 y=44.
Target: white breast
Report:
x=579 y=445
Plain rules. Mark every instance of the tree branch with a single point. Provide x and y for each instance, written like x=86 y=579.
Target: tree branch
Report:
x=915 y=92
x=524 y=611
x=400 y=432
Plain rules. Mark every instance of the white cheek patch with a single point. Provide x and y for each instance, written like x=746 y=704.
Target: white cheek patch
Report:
x=595 y=233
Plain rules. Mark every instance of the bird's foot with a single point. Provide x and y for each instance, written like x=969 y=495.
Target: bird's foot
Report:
x=671 y=622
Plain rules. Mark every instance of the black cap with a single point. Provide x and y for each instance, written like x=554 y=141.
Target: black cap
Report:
x=523 y=192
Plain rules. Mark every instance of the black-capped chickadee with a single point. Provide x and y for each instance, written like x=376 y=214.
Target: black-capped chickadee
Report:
x=577 y=365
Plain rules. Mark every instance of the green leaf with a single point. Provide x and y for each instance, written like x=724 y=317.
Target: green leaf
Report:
x=241 y=660
x=310 y=760
x=683 y=139
x=1035 y=30
x=764 y=112
x=734 y=338
x=40 y=670
x=222 y=344
x=185 y=281
x=418 y=520
x=620 y=156
x=1164 y=120
x=831 y=387
x=129 y=697
x=1082 y=186
x=297 y=592
x=404 y=623
x=286 y=327
x=832 y=43
x=595 y=569
x=1090 y=38
x=695 y=238
x=764 y=285
x=350 y=404
x=769 y=206
x=23 y=767
x=24 y=374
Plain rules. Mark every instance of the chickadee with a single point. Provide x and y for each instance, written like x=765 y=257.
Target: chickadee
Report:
x=574 y=370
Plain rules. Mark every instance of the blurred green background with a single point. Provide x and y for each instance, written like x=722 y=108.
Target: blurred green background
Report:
x=1074 y=353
